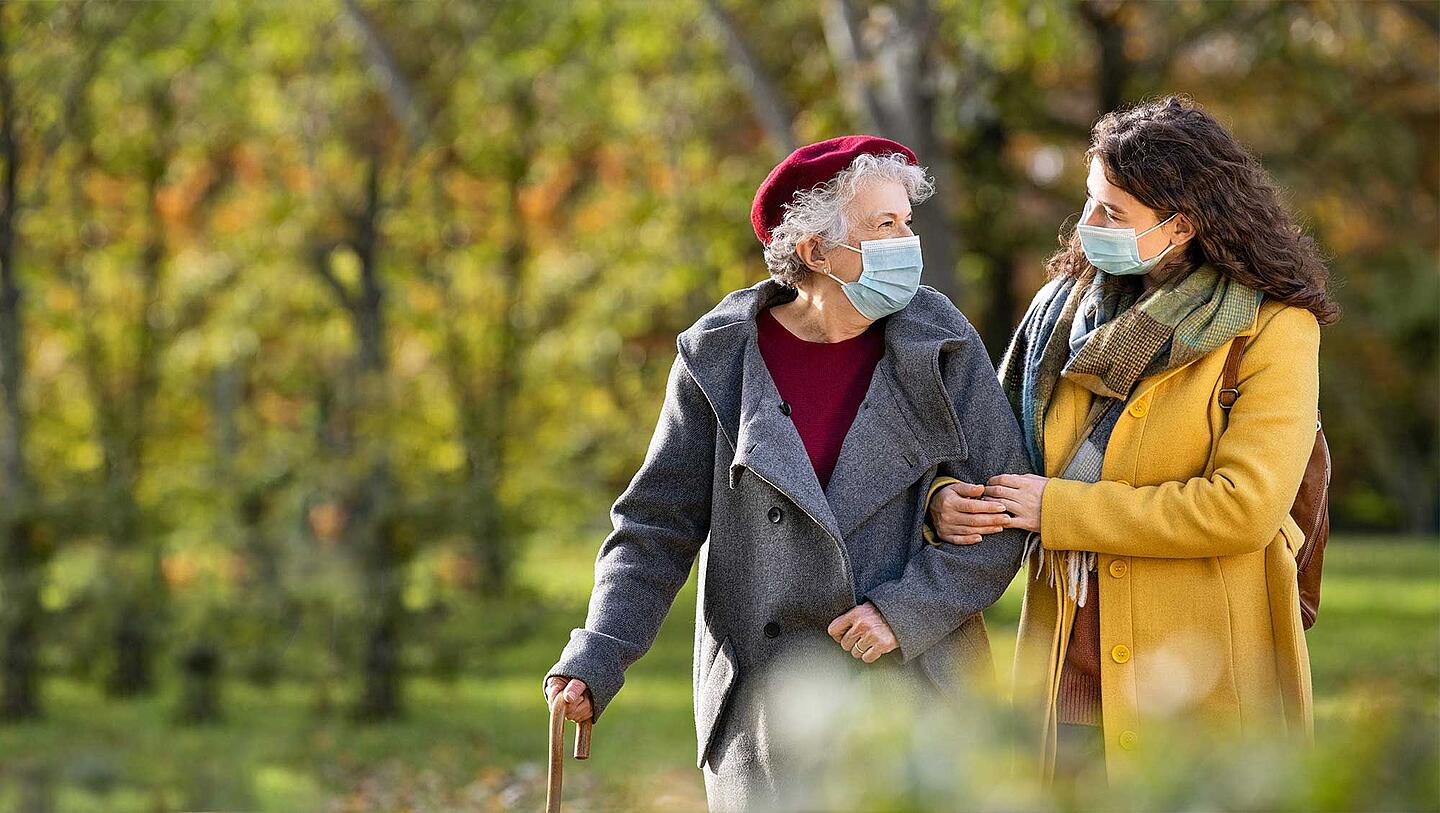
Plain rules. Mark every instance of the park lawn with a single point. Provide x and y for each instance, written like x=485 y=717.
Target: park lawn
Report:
x=479 y=743
x=1378 y=632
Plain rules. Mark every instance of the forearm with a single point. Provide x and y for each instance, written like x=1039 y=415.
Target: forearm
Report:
x=637 y=576
x=659 y=524
x=943 y=585
x=1259 y=460
x=1194 y=519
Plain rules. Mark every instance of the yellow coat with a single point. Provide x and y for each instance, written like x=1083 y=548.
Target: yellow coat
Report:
x=1199 y=610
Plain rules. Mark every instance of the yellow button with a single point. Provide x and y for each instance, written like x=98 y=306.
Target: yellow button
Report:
x=1118 y=568
x=1139 y=408
x=1120 y=653
x=1128 y=740
x=1123 y=482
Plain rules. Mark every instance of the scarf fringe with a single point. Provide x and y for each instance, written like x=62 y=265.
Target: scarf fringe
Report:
x=1076 y=564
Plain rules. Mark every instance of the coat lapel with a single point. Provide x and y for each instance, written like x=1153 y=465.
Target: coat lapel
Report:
x=769 y=445
x=879 y=457
x=722 y=351
x=903 y=426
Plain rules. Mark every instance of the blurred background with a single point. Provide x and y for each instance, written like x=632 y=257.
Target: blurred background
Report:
x=329 y=331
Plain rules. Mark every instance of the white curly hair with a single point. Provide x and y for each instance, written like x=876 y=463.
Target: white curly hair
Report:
x=822 y=210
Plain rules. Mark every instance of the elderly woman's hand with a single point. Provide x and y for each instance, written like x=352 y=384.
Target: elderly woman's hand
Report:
x=864 y=633
x=577 y=697
x=1021 y=495
x=961 y=516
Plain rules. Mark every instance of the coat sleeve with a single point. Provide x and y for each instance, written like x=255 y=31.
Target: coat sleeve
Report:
x=943 y=585
x=1011 y=376
x=1260 y=460
x=659 y=523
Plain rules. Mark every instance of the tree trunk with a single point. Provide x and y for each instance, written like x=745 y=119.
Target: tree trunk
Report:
x=371 y=510
x=200 y=667
x=267 y=601
x=494 y=550
x=19 y=659
x=22 y=556
x=765 y=96
x=143 y=601
x=1112 y=66
x=886 y=87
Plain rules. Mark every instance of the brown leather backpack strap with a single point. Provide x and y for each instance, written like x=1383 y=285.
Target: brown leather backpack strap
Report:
x=1231 y=376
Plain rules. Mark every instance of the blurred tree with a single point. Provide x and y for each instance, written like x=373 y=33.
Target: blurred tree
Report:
x=23 y=553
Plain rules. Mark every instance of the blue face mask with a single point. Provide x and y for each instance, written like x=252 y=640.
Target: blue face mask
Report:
x=889 y=275
x=1116 y=251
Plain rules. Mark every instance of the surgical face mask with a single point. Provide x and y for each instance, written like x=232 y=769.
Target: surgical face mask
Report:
x=889 y=275
x=1116 y=251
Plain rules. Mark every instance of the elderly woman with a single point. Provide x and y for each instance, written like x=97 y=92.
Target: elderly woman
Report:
x=804 y=421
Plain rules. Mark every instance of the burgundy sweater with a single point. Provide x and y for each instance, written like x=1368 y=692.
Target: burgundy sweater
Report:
x=822 y=382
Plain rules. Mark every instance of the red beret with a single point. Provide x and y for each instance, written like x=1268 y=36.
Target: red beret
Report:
x=808 y=167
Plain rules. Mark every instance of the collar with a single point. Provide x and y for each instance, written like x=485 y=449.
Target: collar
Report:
x=908 y=422
x=715 y=348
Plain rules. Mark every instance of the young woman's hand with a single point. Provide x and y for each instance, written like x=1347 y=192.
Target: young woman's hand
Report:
x=960 y=516
x=1020 y=495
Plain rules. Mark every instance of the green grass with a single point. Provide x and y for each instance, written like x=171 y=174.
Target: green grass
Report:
x=1378 y=633
x=479 y=743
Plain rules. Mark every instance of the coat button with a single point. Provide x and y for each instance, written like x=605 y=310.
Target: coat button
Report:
x=1118 y=568
x=1123 y=482
x=1140 y=408
x=772 y=630
x=775 y=513
x=1128 y=740
x=1120 y=653
x=785 y=407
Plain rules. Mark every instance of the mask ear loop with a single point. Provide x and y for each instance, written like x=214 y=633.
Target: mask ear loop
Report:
x=826 y=271
x=1163 y=251
x=1157 y=225
x=838 y=281
x=1089 y=206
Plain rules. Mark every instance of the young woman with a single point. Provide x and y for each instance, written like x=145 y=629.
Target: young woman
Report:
x=1161 y=560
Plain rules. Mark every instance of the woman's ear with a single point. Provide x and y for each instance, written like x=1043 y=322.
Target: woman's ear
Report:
x=809 y=252
x=1182 y=230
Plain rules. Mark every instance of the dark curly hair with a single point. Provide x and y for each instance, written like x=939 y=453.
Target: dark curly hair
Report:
x=1175 y=157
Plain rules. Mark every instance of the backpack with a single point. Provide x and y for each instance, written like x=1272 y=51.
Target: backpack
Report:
x=1311 y=510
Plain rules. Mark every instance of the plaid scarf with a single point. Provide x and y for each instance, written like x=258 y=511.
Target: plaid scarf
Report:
x=1102 y=333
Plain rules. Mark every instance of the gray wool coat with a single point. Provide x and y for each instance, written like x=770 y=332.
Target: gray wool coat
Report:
x=727 y=480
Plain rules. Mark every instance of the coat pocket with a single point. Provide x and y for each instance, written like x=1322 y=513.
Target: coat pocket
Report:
x=1294 y=537
x=714 y=692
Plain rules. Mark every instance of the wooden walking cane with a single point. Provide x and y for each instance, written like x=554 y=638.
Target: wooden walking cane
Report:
x=557 y=746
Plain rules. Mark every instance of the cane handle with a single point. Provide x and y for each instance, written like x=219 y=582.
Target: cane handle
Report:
x=557 y=748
